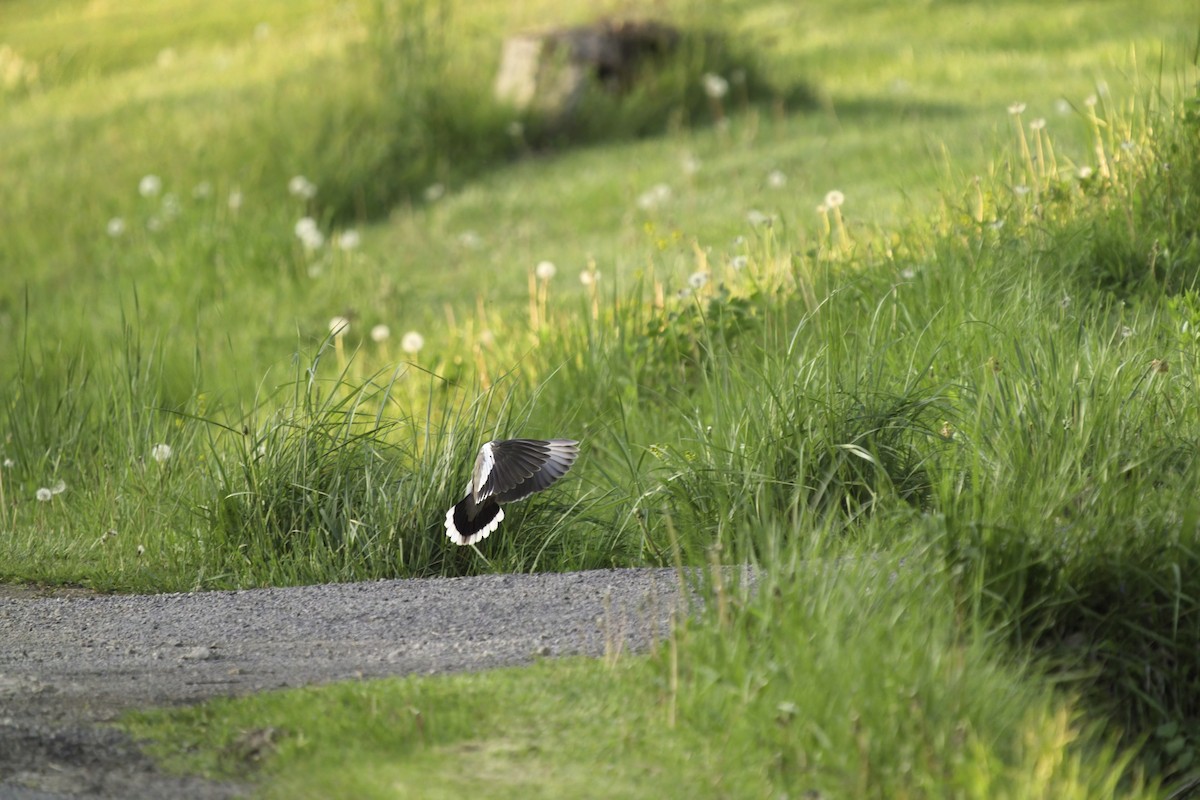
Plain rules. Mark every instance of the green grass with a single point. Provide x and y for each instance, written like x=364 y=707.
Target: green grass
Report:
x=754 y=701
x=983 y=362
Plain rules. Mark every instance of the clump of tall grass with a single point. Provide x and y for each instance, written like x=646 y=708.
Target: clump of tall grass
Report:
x=862 y=677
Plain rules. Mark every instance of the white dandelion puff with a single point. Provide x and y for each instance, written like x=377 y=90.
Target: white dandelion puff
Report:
x=834 y=198
x=715 y=86
x=655 y=196
x=380 y=333
x=339 y=326
x=115 y=227
x=1084 y=172
x=235 y=199
x=757 y=218
x=776 y=179
x=302 y=187
x=149 y=185
x=1037 y=124
x=309 y=234
x=434 y=192
x=545 y=270
x=348 y=240
x=1016 y=108
x=44 y=495
x=161 y=452
x=412 y=342
x=697 y=280
x=739 y=262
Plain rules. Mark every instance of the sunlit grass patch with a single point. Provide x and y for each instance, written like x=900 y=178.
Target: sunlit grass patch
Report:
x=838 y=677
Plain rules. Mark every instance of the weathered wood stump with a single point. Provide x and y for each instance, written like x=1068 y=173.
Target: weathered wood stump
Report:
x=549 y=72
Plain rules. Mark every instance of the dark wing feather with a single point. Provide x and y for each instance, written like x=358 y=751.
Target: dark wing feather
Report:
x=524 y=466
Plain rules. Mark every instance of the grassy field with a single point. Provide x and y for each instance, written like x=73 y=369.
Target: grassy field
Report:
x=922 y=287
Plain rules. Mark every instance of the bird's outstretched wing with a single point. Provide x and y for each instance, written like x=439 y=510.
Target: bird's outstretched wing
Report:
x=506 y=471
x=513 y=469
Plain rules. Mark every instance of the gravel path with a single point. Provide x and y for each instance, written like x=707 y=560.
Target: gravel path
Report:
x=68 y=664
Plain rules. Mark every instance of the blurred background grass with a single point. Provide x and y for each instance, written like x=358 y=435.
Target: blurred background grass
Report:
x=925 y=291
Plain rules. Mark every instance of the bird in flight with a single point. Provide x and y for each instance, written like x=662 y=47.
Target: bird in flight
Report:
x=506 y=471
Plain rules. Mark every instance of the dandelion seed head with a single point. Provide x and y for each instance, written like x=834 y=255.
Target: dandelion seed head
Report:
x=141 y=550
x=1037 y=124
x=1016 y=108
x=1126 y=331
x=739 y=262
x=308 y=233
x=697 y=280
x=908 y=273
x=545 y=270
x=412 y=342
x=715 y=86
x=339 y=326
x=434 y=192
x=44 y=495
x=1091 y=100
x=470 y=240
x=684 y=293
x=996 y=224
x=655 y=196
x=589 y=277
x=9 y=463
x=235 y=199
x=757 y=218
x=776 y=179
x=834 y=198
x=1062 y=106
x=1021 y=190
x=170 y=206
x=348 y=240
x=115 y=227
x=149 y=185
x=302 y=187
x=380 y=333
x=161 y=452
x=1084 y=172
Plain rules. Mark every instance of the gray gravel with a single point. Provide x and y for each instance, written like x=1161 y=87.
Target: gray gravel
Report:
x=70 y=664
